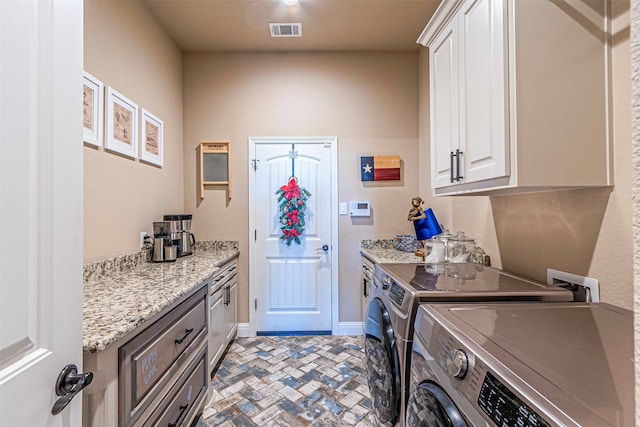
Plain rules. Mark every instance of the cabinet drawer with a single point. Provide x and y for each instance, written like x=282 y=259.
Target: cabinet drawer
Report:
x=224 y=275
x=184 y=400
x=149 y=360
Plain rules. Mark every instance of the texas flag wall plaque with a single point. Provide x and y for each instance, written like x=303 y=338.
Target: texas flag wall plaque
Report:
x=379 y=168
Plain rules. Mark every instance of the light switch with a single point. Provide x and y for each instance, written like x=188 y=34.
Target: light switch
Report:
x=343 y=208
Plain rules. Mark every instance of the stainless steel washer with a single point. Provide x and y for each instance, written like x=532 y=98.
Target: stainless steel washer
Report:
x=522 y=365
x=397 y=291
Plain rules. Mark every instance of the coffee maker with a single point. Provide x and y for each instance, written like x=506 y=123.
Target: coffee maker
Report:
x=165 y=242
x=186 y=239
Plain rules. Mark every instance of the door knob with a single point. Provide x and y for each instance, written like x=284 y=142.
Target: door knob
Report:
x=325 y=248
x=68 y=384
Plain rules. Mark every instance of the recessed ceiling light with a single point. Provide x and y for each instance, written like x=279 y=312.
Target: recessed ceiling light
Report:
x=290 y=2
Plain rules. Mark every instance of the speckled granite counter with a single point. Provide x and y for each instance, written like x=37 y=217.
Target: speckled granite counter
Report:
x=116 y=302
x=382 y=251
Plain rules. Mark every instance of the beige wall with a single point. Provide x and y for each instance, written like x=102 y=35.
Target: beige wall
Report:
x=586 y=232
x=635 y=175
x=126 y=49
x=368 y=100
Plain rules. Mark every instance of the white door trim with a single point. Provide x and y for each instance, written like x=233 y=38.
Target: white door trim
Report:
x=333 y=142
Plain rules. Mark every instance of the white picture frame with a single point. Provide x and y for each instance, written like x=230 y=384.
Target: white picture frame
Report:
x=122 y=124
x=93 y=110
x=151 y=139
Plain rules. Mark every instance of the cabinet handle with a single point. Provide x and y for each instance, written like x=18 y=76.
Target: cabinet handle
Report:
x=186 y=334
x=227 y=295
x=364 y=283
x=182 y=409
x=458 y=155
x=451 y=156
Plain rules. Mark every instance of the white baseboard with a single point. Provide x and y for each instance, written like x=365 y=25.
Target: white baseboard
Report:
x=244 y=330
x=344 y=328
x=349 y=328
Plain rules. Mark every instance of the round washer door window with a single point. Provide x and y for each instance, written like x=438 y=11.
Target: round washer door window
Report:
x=429 y=405
x=382 y=363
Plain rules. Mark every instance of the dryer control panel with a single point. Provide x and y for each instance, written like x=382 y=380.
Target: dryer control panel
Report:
x=504 y=407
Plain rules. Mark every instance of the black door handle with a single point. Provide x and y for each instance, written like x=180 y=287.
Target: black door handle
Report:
x=68 y=384
x=458 y=156
x=451 y=156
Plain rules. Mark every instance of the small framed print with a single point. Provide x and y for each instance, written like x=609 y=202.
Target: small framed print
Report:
x=122 y=125
x=92 y=110
x=151 y=139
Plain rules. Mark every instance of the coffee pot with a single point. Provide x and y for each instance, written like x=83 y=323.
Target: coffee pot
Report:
x=185 y=240
x=165 y=242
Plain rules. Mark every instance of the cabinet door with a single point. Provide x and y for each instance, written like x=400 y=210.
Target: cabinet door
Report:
x=365 y=283
x=216 y=328
x=483 y=102
x=231 y=311
x=443 y=67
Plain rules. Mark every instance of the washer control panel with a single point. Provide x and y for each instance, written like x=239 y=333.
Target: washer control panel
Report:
x=396 y=293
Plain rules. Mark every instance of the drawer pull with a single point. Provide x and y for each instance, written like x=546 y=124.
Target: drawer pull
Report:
x=182 y=409
x=186 y=334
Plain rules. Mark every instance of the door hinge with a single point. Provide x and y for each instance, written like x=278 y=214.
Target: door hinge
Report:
x=255 y=304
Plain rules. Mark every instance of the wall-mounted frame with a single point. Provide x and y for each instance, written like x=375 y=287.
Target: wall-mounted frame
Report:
x=122 y=124
x=214 y=165
x=92 y=110
x=380 y=168
x=151 y=139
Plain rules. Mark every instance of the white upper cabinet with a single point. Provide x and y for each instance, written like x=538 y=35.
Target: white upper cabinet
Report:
x=519 y=98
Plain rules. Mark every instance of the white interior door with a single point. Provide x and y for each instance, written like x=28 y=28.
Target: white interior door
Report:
x=41 y=207
x=292 y=284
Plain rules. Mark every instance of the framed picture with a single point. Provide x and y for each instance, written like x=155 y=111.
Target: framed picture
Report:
x=92 y=110
x=122 y=125
x=151 y=139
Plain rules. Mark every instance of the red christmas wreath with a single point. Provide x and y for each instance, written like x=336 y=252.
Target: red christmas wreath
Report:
x=292 y=203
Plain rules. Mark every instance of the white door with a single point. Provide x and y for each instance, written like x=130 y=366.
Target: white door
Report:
x=292 y=284
x=41 y=208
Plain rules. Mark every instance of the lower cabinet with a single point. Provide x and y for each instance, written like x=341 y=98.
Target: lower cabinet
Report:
x=223 y=303
x=231 y=310
x=155 y=376
x=366 y=283
x=181 y=405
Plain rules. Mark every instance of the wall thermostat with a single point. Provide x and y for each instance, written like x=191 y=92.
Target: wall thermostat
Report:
x=360 y=208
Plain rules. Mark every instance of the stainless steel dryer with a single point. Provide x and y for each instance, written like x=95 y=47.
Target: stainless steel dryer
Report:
x=397 y=291
x=522 y=365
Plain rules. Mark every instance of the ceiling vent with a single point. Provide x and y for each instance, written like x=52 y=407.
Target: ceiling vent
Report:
x=291 y=29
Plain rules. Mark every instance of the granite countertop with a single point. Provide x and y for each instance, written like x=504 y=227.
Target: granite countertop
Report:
x=378 y=256
x=118 y=302
x=382 y=251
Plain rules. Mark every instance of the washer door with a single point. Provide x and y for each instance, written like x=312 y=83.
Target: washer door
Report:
x=429 y=405
x=382 y=362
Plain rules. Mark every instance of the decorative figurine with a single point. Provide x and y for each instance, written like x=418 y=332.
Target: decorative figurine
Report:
x=424 y=222
x=419 y=219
